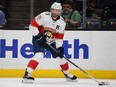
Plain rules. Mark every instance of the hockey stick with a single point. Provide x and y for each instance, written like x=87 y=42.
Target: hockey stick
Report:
x=99 y=83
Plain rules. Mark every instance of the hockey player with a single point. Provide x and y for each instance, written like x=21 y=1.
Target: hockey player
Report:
x=47 y=27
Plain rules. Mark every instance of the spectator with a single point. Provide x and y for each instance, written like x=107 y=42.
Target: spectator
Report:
x=2 y=19
x=72 y=17
x=92 y=11
x=111 y=14
x=4 y=6
x=78 y=5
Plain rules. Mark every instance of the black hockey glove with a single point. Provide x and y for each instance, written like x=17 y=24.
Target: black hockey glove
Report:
x=41 y=39
x=60 y=52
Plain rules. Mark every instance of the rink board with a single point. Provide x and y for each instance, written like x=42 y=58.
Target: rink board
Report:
x=18 y=73
x=94 y=51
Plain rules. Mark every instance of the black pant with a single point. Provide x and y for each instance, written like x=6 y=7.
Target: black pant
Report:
x=41 y=47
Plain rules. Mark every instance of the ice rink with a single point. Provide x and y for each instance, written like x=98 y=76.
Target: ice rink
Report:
x=53 y=82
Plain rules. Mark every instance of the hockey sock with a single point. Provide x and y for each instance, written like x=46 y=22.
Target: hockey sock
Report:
x=65 y=66
x=32 y=66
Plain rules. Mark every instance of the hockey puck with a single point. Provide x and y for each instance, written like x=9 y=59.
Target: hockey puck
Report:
x=100 y=84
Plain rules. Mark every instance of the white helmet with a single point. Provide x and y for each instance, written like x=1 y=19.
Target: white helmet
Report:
x=56 y=5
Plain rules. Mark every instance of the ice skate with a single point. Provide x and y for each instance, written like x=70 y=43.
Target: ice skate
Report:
x=69 y=77
x=27 y=78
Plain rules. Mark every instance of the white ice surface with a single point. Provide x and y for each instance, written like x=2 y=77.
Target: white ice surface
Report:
x=53 y=82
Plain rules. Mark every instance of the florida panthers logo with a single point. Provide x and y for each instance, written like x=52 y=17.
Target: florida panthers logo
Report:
x=49 y=34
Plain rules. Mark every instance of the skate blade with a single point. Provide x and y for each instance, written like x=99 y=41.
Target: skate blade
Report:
x=27 y=81
x=69 y=80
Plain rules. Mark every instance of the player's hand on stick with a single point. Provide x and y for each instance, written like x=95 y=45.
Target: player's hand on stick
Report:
x=41 y=39
x=60 y=52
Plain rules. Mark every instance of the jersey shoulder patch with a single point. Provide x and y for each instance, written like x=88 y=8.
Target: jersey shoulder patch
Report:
x=38 y=17
x=47 y=13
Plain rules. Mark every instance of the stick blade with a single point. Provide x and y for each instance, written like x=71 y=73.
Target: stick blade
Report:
x=103 y=83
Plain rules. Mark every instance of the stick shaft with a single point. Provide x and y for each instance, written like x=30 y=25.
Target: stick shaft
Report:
x=74 y=64
x=82 y=70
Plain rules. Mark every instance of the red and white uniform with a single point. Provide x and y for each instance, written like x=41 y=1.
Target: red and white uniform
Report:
x=44 y=22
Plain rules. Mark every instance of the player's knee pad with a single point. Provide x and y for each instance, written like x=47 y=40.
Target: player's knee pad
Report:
x=38 y=56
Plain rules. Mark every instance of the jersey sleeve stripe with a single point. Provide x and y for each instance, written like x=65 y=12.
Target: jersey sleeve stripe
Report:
x=40 y=28
x=59 y=36
x=33 y=23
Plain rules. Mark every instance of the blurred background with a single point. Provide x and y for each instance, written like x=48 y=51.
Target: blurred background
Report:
x=95 y=14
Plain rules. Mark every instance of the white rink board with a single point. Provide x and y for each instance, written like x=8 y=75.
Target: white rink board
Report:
x=101 y=50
